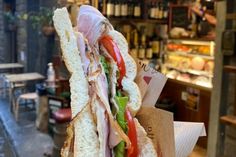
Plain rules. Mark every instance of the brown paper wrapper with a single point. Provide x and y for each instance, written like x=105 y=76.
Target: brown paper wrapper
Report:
x=159 y=127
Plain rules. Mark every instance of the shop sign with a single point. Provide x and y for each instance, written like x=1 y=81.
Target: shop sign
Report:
x=150 y=83
x=191 y=98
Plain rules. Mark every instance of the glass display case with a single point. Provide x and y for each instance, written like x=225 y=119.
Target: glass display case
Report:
x=190 y=61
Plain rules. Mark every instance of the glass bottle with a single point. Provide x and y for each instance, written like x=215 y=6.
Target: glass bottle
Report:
x=117 y=8
x=160 y=14
x=134 y=44
x=110 y=8
x=51 y=77
x=137 y=9
x=130 y=8
x=156 y=42
x=152 y=10
x=166 y=11
x=124 y=8
x=149 y=51
x=156 y=11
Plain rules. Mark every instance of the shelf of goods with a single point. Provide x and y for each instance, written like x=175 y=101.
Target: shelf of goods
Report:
x=190 y=61
x=137 y=20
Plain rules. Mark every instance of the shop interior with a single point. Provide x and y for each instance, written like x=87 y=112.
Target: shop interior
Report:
x=191 y=42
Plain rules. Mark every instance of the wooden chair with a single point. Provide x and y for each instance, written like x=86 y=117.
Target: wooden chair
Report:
x=26 y=96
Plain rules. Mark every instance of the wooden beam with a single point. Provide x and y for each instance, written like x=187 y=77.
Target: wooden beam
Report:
x=228 y=120
x=214 y=132
x=230 y=68
x=231 y=16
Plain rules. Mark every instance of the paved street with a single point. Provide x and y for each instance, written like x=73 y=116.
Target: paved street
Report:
x=27 y=140
x=6 y=149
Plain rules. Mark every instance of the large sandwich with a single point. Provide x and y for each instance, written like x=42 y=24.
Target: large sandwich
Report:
x=104 y=97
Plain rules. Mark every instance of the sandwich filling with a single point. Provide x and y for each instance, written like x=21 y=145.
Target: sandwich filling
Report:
x=119 y=107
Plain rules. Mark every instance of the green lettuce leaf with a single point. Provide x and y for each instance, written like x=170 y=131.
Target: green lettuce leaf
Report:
x=119 y=150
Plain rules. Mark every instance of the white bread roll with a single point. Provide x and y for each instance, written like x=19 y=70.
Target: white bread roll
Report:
x=83 y=124
x=85 y=137
x=72 y=59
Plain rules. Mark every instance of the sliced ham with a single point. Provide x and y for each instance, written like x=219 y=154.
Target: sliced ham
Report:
x=81 y=44
x=102 y=127
x=116 y=133
x=100 y=87
x=112 y=77
x=92 y=23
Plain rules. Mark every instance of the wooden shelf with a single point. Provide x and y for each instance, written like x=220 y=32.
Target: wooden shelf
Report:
x=135 y=20
x=228 y=120
x=188 y=54
x=191 y=71
x=188 y=84
x=230 y=68
x=193 y=39
x=231 y=16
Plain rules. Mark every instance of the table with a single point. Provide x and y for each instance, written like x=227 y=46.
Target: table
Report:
x=17 y=78
x=3 y=68
x=10 y=66
x=24 y=77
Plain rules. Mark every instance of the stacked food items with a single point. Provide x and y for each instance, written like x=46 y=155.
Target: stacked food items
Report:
x=195 y=49
x=104 y=96
x=190 y=62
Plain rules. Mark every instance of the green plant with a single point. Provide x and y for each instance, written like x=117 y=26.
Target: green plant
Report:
x=37 y=19
x=10 y=17
x=41 y=18
x=10 y=21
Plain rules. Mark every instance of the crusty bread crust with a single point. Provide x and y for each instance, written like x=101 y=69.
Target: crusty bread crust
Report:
x=128 y=83
x=72 y=59
x=85 y=138
x=82 y=145
x=145 y=145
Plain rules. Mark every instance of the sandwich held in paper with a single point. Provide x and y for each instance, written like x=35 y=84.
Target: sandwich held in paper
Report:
x=150 y=82
x=159 y=124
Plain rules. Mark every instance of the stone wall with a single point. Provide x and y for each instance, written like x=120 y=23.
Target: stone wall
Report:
x=34 y=49
x=2 y=54
x=33 y=53
x=47 y=48
x=21 y=39
x=7 y=33
x=31 y=47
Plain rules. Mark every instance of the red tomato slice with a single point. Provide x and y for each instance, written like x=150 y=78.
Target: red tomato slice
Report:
x=114 y=51
x=132 y=134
